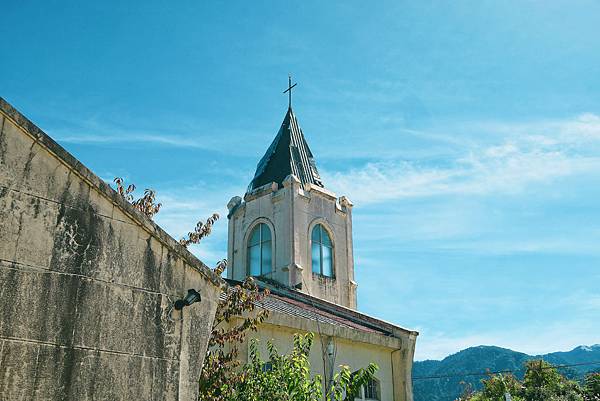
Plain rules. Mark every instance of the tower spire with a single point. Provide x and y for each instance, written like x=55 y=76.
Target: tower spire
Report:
x=288 y=154
x=289 y=90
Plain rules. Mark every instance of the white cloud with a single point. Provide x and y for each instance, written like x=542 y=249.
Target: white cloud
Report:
x=183 y=134
x=527 y=154
x=581 y=129
x=130 y=137
x=184 y=207
x=576 y=243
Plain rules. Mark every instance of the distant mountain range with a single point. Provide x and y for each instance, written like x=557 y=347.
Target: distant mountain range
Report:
x=484 y=358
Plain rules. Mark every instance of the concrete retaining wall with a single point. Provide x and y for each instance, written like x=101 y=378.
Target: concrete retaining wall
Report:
x=86 y=283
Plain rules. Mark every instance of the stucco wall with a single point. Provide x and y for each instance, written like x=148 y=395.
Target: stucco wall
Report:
x=354 y=354
x=86 y=283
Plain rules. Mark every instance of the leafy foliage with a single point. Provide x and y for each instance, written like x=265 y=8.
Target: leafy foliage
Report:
x=591 y=387
x=146 y=204
x=467 y=392
x=201 y=231
x=496 y=386
x=288 y=377
x=236 y=316
x=542 y=382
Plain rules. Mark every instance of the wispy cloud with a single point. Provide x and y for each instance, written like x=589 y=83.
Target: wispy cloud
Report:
x=184 y=207
x=582 y=129
x=120 y=137
x=183 y=134
x=527 y=154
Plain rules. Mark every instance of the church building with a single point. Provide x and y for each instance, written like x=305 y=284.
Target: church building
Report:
x=65 y=234
x=295 y=237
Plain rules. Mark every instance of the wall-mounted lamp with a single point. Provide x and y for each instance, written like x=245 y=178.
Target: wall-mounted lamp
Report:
x=192 y=296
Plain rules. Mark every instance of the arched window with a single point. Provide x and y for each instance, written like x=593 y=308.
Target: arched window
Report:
x=260 y=253
x=322 y=251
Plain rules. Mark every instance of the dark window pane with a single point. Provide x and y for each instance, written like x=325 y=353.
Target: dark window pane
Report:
x=266 y=233
x=266 y=257
x=316 y=236
x=254 y=236
x=325 y=240
x=316 y=257
x=254 y=260
x=327 y=261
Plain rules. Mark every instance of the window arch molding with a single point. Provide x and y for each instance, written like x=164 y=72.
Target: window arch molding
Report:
x=327 y=229
x=256 y=223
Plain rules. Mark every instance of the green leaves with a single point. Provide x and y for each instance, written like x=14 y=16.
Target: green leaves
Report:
x=289 y=378
x=542 y=382
x=591 y=387
x=236 y=316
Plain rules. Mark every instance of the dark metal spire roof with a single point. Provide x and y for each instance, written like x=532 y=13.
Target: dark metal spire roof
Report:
x=288 y=154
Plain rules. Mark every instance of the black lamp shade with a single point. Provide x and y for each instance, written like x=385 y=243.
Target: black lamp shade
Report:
x=192 y=296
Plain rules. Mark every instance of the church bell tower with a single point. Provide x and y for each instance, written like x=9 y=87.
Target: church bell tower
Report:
x=289 y=228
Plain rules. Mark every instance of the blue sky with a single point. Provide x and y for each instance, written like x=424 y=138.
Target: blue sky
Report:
x=466 y=133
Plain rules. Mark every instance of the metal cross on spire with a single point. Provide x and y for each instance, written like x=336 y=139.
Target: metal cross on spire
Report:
x=289 y=90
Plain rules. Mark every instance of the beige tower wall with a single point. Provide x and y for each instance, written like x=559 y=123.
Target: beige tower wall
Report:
x=291 y=212
x=86 y=284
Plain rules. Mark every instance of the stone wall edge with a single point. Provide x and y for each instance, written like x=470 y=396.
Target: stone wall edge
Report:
x=103 y=188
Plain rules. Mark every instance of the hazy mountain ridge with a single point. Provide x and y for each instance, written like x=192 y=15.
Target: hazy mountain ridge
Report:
x=483 y=358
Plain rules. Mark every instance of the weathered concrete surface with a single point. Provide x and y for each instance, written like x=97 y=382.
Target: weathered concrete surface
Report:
x=86 y=284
